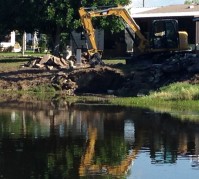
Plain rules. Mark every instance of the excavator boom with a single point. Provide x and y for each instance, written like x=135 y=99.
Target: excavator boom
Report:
x=86 y=16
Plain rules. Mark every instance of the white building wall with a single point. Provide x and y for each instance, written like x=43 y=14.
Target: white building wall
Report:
x=11 y=43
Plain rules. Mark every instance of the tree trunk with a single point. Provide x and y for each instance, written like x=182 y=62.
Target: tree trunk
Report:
x=56 y=50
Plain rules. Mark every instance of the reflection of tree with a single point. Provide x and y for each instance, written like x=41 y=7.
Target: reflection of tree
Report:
x=24 y=152
x=111 y=151
x=25 y=158
x=52 y=143
x=167 y=137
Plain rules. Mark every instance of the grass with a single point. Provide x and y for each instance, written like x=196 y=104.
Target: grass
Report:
x=13 y=61
x=19 y=54
x=181 y=109
x=113 y=62
x=9 y=63
x=177 y=91
x=43 y=89
x=149 y=102
x=174 y=96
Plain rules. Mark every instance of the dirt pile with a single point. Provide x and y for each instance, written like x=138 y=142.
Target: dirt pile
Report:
x=137 y=79
x=152 y=76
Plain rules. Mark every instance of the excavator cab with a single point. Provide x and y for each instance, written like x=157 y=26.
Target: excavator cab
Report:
x=164 y=34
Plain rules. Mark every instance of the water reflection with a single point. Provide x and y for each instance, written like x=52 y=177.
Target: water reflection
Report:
x=74 y=141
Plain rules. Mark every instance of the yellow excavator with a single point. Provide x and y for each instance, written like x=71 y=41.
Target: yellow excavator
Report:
x=164 y=36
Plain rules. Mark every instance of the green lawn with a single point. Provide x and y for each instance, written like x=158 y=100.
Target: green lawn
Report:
x=13 y=61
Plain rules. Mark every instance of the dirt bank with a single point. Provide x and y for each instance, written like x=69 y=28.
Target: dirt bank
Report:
x=124 y=80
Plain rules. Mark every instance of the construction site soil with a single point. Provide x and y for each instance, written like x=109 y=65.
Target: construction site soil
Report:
x=136 y=79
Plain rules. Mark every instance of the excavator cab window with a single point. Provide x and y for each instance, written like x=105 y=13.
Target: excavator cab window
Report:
x=164 y=34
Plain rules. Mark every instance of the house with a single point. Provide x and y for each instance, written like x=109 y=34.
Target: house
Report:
x=9 y=43
x=187 y=16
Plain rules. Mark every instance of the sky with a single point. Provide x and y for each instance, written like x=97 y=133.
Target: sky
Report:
x=155 y=3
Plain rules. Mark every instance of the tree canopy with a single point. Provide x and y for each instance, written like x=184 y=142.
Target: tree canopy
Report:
x=51 y=17
x=191 y=1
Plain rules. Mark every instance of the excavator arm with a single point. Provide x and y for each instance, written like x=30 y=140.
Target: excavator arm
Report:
x=87 y=166
x=86 y=16
x=88 y=27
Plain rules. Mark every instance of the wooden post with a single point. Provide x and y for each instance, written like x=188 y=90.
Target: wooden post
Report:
x=78 y=56
x=24 y=43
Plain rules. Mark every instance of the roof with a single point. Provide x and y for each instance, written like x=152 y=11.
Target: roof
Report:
x=172 y=10
x=133 y=10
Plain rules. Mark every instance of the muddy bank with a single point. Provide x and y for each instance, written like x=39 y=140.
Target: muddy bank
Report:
x=136 y=79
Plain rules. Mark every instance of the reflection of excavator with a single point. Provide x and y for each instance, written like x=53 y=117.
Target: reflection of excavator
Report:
x=88 y=168
x=164 y=36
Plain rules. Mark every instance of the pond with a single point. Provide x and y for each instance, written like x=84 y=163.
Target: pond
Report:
x=52 y=141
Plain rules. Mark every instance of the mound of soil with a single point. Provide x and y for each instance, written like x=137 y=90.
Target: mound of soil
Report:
x=136 y=79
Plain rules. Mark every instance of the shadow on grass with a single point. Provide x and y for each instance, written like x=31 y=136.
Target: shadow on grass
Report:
x=16 y=60
x=33 y=73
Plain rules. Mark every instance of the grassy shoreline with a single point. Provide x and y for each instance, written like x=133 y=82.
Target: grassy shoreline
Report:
x=176 y=99
x=181 y=109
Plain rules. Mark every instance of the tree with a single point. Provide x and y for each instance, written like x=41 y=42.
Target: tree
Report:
x=57 y=17
x=17 y=15
x=112 y=23
x=52 y=17
x=191 y=2
x=61 y=16
x=48 y=16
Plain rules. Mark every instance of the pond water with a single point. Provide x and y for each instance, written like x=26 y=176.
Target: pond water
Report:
x=95 y=141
